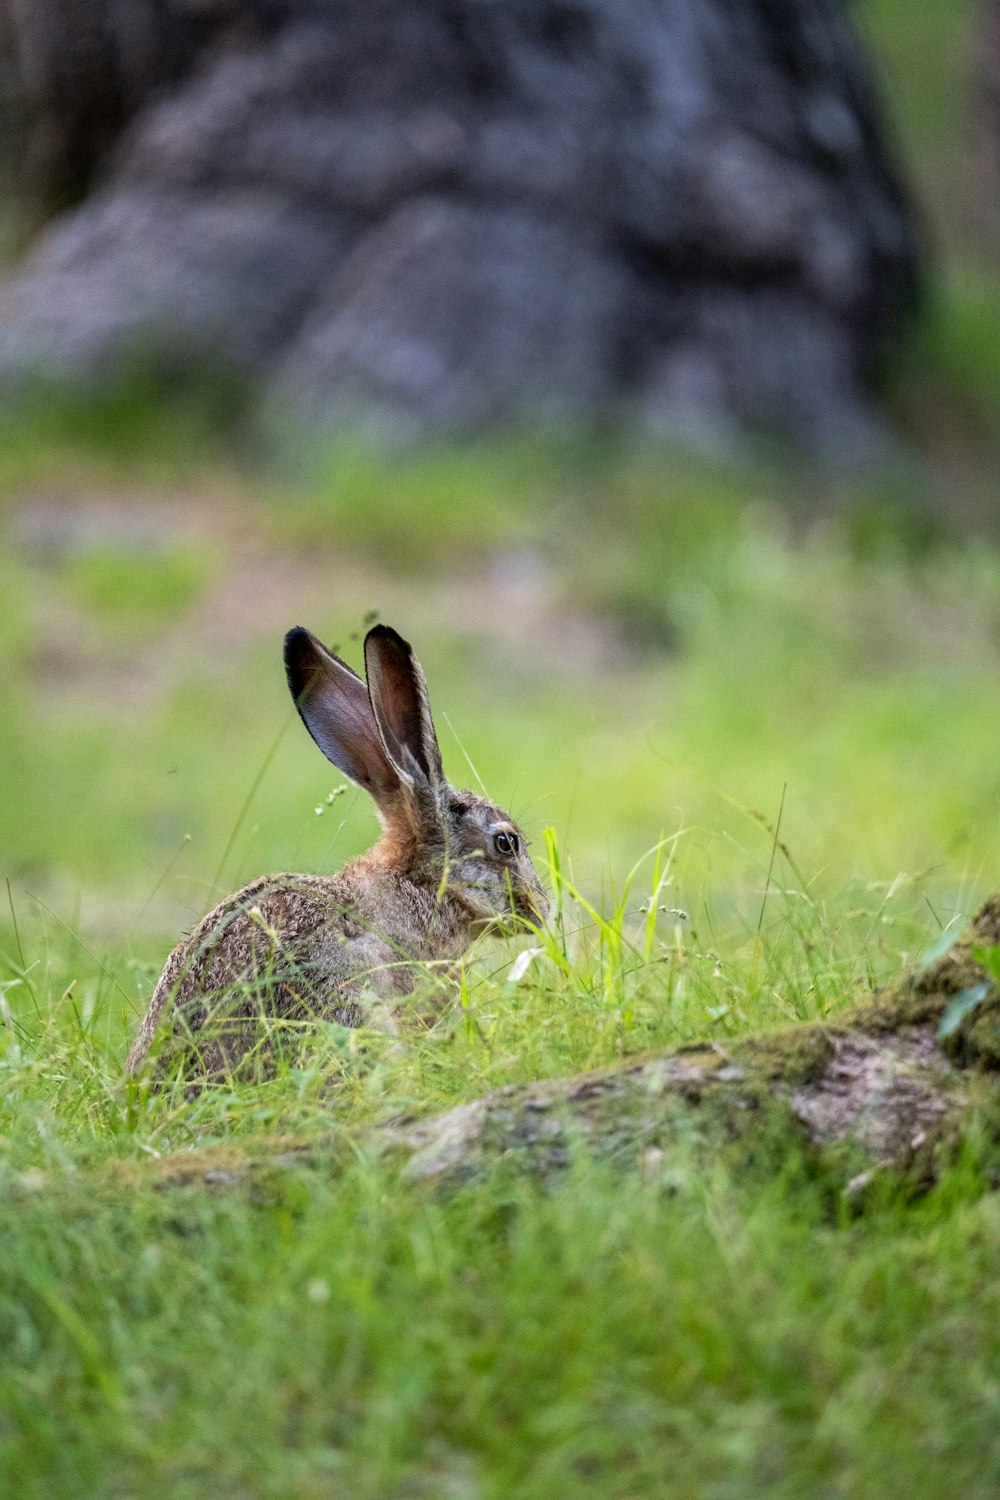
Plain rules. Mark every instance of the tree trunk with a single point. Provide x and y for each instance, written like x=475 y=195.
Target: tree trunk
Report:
x=77 y=71
x=434 y=216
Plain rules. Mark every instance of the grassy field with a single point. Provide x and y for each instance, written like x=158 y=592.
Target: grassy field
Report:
x=761 y=720
x=341 y=1332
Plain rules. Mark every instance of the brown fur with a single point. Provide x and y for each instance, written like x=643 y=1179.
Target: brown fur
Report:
x=289 y=950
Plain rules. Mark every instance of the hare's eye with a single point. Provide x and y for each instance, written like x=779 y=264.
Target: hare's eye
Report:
x=505 y=843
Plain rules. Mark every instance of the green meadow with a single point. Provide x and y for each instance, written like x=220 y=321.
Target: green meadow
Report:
x=749 y=720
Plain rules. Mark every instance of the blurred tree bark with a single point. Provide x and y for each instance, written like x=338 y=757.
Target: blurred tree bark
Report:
x=433 y=216
x=76 y=71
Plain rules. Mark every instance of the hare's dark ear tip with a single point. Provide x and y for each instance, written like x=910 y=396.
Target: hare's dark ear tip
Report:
x=384 y=633
x=386 y=645
x=300 y=656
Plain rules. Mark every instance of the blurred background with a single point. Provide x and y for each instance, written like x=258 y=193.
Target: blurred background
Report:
x=641 y=364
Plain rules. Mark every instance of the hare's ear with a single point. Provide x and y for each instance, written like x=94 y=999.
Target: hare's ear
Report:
x=401 y=707
x=333 y=704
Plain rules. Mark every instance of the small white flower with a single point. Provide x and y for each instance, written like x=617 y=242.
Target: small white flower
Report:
x=522 y=964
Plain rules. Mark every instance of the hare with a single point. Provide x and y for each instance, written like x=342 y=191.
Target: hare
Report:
x=288 y=949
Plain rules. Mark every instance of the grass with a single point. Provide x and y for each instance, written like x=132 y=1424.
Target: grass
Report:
x=773 y=704
x=605 y=1338
x=333 y=1329
x=788 y=663
x=627 y=652
x=342 y=1331
x=338 y=1330
x=924 y=59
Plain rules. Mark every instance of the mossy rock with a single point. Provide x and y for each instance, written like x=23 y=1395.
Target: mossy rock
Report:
x=888 y=1092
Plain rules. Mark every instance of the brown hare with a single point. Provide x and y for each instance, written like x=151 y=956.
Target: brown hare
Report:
x=288 y=949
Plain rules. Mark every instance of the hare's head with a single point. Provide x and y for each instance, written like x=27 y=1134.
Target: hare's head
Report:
x=381 y=735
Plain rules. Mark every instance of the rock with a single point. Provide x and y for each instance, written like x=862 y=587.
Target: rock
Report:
x=886 y=1092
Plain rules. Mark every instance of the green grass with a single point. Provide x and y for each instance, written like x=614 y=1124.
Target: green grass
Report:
x=337 y=1330
x=734 y=659
x=663 y=662
x=128 y=592
x=927 y=58
x=629 y=651
x=334 y=1330
x=606 y=1339
x=924 y=59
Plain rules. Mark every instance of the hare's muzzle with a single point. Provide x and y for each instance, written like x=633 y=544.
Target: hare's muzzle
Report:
x=533 y=906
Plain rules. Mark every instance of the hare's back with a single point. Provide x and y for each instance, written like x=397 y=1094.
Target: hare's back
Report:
x=280 y=945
